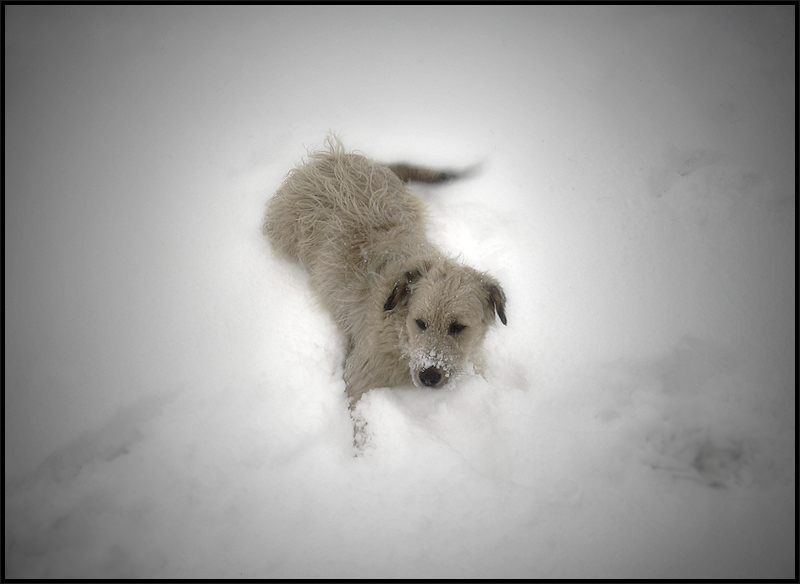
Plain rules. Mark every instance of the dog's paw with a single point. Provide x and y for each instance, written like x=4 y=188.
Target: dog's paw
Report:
x=361 y=434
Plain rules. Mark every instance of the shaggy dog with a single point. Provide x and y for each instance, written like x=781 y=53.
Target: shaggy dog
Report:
x=409 y=313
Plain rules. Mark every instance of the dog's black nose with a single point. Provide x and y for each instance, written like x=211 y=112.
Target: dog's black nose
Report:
x=430 y=376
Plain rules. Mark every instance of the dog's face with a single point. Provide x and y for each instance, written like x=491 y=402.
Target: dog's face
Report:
x=446 y=308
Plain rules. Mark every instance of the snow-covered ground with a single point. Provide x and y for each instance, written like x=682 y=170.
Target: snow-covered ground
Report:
x=174 y=403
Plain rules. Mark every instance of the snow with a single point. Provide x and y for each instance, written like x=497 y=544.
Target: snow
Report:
x=174 y=403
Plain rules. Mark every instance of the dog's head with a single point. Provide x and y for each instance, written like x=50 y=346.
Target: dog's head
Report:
x=446 y=309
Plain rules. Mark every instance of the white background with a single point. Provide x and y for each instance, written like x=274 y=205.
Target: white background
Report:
x=173 y=395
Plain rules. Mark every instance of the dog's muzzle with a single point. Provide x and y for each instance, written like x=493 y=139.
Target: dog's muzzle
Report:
x=431 y=377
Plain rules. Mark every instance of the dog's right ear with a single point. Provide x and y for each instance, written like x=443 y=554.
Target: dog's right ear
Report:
x=401 y=289
x=498 y=300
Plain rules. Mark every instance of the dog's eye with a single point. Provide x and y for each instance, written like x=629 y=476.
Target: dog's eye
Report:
x=456 y=328
x=421 y=324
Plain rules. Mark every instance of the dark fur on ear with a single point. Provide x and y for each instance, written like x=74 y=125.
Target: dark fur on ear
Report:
x=498 y=300
x=401 y=289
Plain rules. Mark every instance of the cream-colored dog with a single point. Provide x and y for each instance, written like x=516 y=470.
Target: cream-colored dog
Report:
x=409 y=313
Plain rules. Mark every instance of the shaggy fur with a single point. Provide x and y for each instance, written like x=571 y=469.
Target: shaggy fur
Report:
x=408 y=312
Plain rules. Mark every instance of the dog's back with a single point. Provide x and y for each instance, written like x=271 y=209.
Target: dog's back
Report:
x=337 y=198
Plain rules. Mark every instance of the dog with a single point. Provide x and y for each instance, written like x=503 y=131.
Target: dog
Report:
x=409 y=313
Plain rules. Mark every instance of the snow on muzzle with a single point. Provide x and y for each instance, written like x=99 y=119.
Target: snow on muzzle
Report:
x=430 y=368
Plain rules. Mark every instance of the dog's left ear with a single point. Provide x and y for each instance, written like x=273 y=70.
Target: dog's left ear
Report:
x=497 y=298
x=401 y=289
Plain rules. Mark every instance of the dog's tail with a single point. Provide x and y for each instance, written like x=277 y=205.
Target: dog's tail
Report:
x=411 y=173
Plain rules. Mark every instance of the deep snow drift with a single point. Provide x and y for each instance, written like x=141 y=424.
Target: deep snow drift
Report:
x=174 y=403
